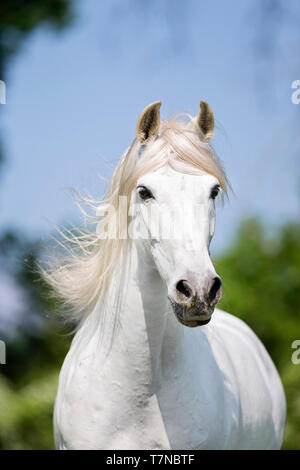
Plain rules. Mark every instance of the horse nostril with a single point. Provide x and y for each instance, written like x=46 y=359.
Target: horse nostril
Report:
x=184 y=289
x=217 y=283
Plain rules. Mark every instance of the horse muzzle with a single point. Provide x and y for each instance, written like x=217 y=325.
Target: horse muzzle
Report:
x=194 y=304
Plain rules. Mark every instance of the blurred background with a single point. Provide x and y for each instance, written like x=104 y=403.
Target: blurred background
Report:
x=77 y=76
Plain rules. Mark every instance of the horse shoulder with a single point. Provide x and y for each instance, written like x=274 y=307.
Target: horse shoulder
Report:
x=251 y=375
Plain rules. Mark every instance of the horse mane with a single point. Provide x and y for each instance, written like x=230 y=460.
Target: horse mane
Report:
x=81 y=276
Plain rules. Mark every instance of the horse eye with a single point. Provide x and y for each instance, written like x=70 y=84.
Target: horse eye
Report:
x=215 y=191
x=145 y=193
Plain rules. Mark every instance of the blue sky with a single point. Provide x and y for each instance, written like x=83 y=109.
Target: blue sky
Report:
x=73 y=100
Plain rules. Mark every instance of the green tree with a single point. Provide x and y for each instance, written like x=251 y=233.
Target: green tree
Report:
x=261 y=277
x=35 y=349
x=19 y=18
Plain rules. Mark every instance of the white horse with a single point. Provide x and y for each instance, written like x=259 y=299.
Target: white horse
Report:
x=139 y=375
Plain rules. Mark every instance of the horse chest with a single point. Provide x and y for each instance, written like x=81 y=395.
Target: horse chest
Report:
x=116 y=411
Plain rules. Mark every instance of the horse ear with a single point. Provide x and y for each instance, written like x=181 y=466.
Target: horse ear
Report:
x=205 y=120
x=149 y=121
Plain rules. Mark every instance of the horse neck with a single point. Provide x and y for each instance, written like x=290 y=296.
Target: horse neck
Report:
x=139 y=330
x=164 y=332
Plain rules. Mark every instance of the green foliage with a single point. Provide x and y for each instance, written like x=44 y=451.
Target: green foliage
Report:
x=26 y=413
x=25 y=15
x=262 y=285
x=261 y=278
x=20 y=17
x=34 y=354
